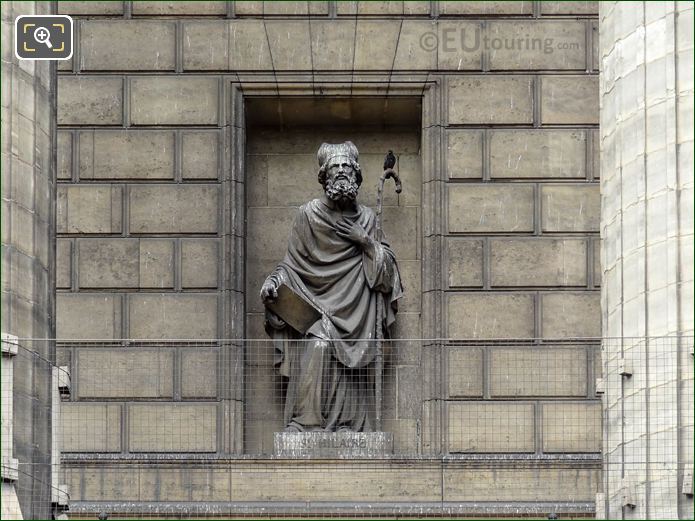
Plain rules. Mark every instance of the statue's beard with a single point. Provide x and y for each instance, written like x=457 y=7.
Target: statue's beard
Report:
x=342 y=190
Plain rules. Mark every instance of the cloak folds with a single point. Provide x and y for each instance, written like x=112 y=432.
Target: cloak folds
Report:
x=343 y=283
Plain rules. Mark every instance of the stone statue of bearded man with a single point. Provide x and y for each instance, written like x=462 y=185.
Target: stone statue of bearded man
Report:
x=335 y=263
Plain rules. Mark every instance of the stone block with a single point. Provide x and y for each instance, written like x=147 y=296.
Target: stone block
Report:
x=63 y=263
x=498 y=315
x=172 y=427
x=465 y=372
x=248 y=46
x=264 y=393
x=64 y=156
x=335 y=445
x=289 y=43
x=411 y=54
x=90 y=427
x=375 y=34
x=209 y=8
x=90 y=100
x=464 y=262
x=174 y=208
x=292 y=179
x=90 y=8
x=199 y=263
x=537 y=154
x=410 y=271
x=108 y=263
x=490 y=99
x=458 y=45
x=538 y=262
x=126 y=155
x=552 y=371
x=124 y=45
x=156 y=263
x=582 y=7
x=570 y=208
x=401 y=231
x=270 y=228
x=571 y=315
x=382 y=8
x=199 y=373
x=448 y=7
x=199 y=156
x=181 y=100
x=569 y=100
x=464 y=154
x=88 y=316
x=532 y=45
x=475 y=208
x=521 y=483
x=205 y=45
x=332 y=45
x=491 y=427
x=290 y=8
x=572 y=427
x=125 y=373
x=173 y=316
x=89 y=209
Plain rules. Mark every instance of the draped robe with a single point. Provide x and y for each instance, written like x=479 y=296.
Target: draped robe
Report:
x=330 y=378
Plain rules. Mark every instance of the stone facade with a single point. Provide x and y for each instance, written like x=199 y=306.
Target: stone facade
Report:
x=28 y=267
x=647 y=257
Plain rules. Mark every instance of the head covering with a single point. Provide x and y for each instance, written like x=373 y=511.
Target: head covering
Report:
x=328 y=151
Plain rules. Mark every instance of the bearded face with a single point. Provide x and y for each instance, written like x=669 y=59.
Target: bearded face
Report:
x=341 y=180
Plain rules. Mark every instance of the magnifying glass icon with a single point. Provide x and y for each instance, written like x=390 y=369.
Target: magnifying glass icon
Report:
x=43 y=35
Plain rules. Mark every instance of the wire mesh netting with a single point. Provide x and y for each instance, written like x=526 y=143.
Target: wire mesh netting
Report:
x=415 y=428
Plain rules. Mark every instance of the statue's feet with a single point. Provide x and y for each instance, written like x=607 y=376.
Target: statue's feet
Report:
x=291 y=428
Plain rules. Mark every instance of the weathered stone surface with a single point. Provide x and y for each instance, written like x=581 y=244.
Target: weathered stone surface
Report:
x=520 y=45
x=174 y=208
x=63 y=263
x=334 y=445
x=410 y=271
x=447 y=7
x=280 y=8
x=490 y=208
x=491 y=427
x=172 y=427
x=90 y=427
x=479 y=315
x=464 y=262
x=199 y=263
x=570 y=208
x=572 y=427
x=411 y=54
x=108 y=263
x=92 y=100
x=332 y=44
x=382 y=8
x=126 y=155
x=181 y=100
x=173 y=316
x=480 y=99
x=89 y=209
x=290 y=44
x=552 y=371
x=571 y=315
x=205 y=45
x=199 y=373
x=458 y=45
x=375 y=34
x=93 y=8
x=401 y=230
x=116 y=45
x=569 y=99
x=88 y=316
x=64 y=155
x=465 y=372
x=130 y=373
x=464 y=159
x=199 y=156
x=537 y=153
x=581 y=7
x=142 y=7
x=538 y=262
x=248 y=47
x=156 y=263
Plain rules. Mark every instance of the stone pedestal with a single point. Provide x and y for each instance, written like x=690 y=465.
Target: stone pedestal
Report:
x=340 y=445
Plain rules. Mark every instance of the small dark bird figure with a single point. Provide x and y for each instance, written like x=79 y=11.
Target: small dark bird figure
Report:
x=389 y=160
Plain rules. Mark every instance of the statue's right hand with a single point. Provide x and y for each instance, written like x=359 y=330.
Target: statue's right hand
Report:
x=269 y=291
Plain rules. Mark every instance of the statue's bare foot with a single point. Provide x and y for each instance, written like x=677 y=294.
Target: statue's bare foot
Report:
x=292 y=428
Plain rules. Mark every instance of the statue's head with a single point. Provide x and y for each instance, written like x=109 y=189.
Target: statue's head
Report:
x=339 y=172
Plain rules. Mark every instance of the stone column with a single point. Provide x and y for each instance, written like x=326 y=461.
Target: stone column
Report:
x=28 y=267
x=647 y=257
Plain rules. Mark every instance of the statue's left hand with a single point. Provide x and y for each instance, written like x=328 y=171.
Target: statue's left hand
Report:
x=352 y=232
